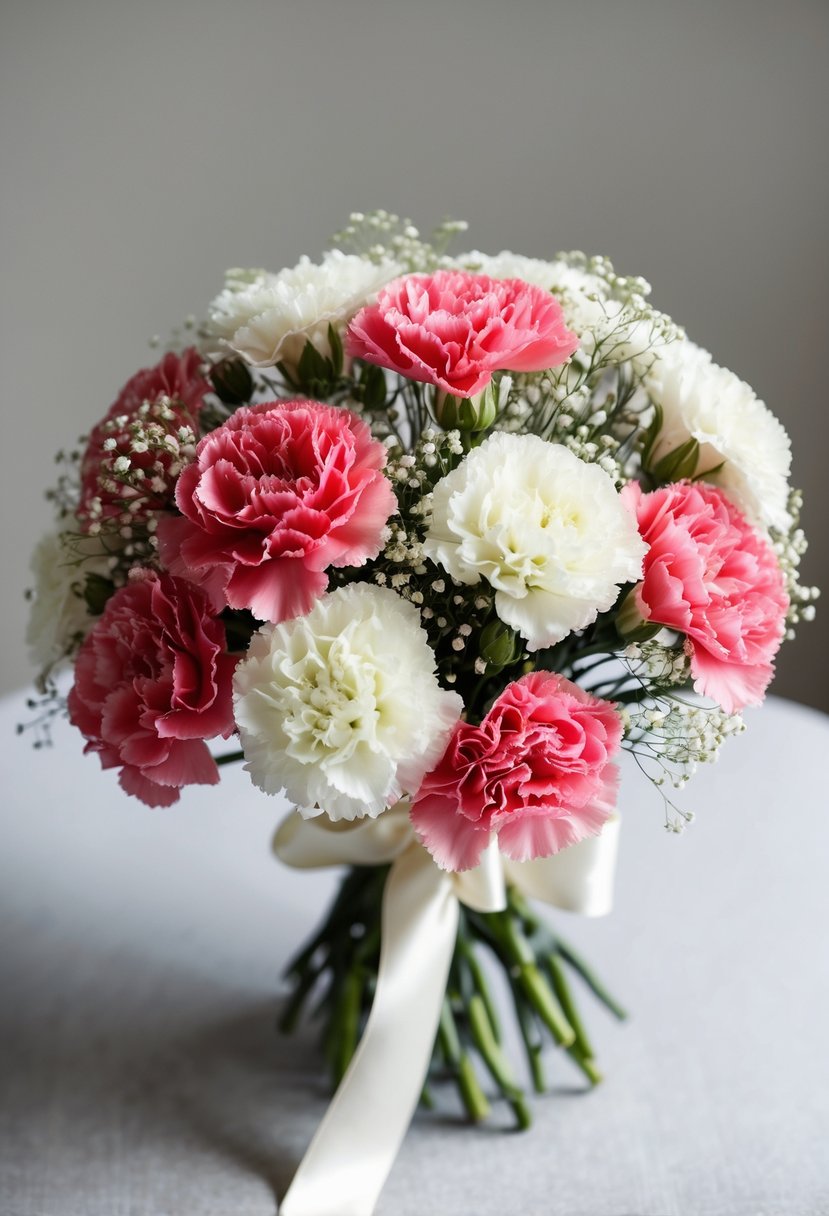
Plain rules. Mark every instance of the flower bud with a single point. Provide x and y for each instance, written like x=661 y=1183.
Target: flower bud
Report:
x=232 y=381
x=631 y=625
x=466 y=413
x=499 y=645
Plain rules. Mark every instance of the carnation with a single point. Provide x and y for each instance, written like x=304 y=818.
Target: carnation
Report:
x=602 y=308
x=742 y=446
x=453 y=329
x=548 y=532
x=341 y=708
x=268 y=318
x=152 y=683
x=508 y=265
x=274 y=497
x=536 y=772
x=715 y=579
x=59 y=619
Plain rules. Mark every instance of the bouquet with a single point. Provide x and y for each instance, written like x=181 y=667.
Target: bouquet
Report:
x=431 y=537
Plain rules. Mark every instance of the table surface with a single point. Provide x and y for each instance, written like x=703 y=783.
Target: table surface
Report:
x=142 y=1076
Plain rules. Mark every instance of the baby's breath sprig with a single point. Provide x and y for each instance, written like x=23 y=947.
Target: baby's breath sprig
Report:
x=382 y=236
x=141 y=458
x=597 y=412
x=790 y=547
x=63 y=496
x=49 y=704
x=178 y=337
x=668 y=730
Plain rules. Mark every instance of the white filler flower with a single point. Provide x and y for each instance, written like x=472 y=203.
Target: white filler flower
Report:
x=734 y=429
x=268 y=318
x=341 y=708
x=546 y=530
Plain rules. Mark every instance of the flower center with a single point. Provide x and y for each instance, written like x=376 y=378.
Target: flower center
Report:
x=332 y=705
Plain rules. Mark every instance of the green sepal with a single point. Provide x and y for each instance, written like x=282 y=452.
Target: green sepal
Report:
x=314 y=369
x=286 y=375
x=96 y=592
x=652 y=433
x=631 y=626
x=335 y=342
x=679 y=463
x=373 y=387
x=707 y=474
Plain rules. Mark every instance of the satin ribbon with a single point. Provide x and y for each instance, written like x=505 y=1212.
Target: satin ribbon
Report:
x=354 y=1147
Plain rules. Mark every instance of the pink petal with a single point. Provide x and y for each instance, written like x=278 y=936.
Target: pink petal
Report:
x=453 y=841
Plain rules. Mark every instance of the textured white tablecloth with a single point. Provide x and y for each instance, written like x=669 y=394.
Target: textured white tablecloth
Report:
x=141 y=1074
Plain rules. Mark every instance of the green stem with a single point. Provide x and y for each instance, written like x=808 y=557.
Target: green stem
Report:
x=229 y=758
x=568 y=1005
x=448 y=1033
x=587 y=1066
x=495 y=1060
x=476 y=971
x=533 y=1044
x=472 y=1095
x=348 y=1021
x=591 y=979
x=541 y=998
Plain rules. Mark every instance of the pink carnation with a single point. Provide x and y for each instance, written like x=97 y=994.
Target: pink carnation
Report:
x=454 y=329
x=152 y=682
x=713 y=577
x=536 y=771
x=104 y=496
x=278 y=494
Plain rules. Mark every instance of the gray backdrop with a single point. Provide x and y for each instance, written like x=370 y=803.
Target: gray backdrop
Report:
x=145 y=147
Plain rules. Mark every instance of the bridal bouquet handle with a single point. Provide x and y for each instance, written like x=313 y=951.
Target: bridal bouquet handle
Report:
x=354 y=1148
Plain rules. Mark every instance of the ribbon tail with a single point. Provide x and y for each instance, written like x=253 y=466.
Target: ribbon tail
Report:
x=354 y=1147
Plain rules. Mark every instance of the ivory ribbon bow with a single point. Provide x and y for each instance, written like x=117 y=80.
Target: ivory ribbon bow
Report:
x=355 y=1145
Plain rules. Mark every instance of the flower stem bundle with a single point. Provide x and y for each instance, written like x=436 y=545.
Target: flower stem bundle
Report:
x=334 y=976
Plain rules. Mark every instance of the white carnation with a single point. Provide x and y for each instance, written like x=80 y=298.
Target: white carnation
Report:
x=546 y=530
x=58 y=618
x=246 y=294
x=341 y=708
x=268 y=318
x=506 y=265
x=734 y=429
